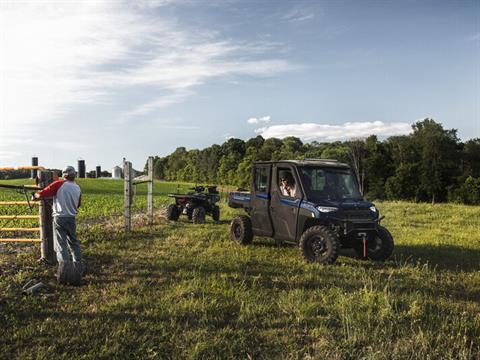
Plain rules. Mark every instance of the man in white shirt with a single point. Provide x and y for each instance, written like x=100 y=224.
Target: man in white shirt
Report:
x=66 y=201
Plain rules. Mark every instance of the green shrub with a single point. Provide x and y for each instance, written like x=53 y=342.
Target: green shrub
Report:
x=468 y=192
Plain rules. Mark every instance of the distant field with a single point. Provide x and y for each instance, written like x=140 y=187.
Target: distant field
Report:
x=176 y=290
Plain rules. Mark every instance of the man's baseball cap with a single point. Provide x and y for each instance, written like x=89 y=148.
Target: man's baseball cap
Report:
x=70 y=171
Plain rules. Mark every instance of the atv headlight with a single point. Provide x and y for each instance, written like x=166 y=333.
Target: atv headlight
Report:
x=326 y=209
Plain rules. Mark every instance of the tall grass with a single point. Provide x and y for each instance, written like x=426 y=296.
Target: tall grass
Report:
x=178 y=290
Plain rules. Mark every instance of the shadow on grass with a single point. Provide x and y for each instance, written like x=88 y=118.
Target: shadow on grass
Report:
x=444 y=257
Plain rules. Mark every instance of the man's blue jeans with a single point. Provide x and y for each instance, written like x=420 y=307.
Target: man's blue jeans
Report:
x=65 y=237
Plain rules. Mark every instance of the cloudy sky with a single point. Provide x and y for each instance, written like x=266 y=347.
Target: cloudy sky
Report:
x=103 y=80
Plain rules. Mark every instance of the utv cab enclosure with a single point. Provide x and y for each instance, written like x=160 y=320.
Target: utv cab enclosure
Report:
x=312 y=203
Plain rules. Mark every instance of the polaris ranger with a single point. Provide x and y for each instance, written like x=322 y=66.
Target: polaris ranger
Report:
x=321 y=210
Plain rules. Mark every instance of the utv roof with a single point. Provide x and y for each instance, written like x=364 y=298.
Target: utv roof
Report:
x=310 y=162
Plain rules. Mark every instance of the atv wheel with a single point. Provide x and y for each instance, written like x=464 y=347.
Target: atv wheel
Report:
x=319 y=244
x=216 y=213
x=173 y=212
x=379 y=248
x=198 y=215
x=241 y=230
x=189 y=213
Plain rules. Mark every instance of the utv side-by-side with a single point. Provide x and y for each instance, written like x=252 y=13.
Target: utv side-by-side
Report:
x=312 y=203
x=196 y=204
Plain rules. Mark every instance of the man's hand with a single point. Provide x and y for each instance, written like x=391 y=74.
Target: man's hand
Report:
x=35 y=197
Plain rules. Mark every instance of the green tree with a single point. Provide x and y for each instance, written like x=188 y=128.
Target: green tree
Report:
x=439 y=158
x=378 y=166
x=471 y=157
x=468 y=192
x=176 y=163
x=403 y=185
x=337 y=151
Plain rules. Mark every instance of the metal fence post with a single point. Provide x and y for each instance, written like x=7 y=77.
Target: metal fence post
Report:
x=150 y=191
x=127 y=174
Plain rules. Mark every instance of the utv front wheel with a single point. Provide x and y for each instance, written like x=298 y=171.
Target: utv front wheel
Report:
x=319 y=244
x=198 y=215
x=216 y=213
x=173 y=212
x=378 y=248
x=241 y=230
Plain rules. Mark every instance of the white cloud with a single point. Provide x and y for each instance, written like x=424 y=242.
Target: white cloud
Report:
x=325 y=132
x=7 y=155
x=57 y=55
x=263 y=119
x=298 y=15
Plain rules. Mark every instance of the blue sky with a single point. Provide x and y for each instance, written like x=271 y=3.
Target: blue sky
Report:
x=103 y=80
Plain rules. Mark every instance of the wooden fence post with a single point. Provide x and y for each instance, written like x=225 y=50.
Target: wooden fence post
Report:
x=150 y=191
x=127 y=174
x=46 y=220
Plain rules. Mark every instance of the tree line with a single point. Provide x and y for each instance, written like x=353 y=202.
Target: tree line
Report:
x=430 y=164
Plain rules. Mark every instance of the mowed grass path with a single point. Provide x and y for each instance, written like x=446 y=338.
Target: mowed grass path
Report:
x=178 y=290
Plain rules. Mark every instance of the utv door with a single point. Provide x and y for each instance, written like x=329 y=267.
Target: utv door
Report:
x=284 y=207
x=260 y=216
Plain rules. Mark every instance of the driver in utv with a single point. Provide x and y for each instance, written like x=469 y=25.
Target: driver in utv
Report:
x=287 y=184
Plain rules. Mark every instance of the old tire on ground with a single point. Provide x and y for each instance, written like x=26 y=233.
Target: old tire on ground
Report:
x=319 y=244
x=216 y=213
x=70 y=272
x=241 y=230
x=198 y=215
x=173 y=212
x=379 y=248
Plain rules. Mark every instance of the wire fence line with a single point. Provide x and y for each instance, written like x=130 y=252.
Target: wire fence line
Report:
x=101 y=200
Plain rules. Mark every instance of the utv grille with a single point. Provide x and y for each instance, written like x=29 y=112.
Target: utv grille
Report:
x=364 y=214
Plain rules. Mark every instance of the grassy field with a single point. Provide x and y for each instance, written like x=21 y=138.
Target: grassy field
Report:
x=176 y=290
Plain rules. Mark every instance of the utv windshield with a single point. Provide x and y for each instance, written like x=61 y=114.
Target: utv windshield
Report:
x=329 y=184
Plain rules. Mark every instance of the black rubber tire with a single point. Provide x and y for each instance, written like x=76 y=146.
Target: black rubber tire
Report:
x=241 y=230
x=319 y=244
x=173 y=212
x=380 y=248
x=216 y=213
x=69 y=273
x=198 y=215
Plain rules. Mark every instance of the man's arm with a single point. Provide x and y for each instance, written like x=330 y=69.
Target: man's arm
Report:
x=79 y=201
x=50 y=191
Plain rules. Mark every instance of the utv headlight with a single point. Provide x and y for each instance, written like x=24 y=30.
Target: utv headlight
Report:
x=373 y=209
x=326 y=209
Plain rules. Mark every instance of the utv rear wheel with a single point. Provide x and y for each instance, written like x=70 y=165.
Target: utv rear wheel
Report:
x=241 y=230
x=378 y=248
x=198 y=215
x=319 y=244
x=173 y=212
x=216 y=213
